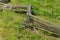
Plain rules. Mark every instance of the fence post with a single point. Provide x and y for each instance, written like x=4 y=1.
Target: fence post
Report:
x=29 y=21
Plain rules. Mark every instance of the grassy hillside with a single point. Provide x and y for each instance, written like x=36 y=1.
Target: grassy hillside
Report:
x=10 y=21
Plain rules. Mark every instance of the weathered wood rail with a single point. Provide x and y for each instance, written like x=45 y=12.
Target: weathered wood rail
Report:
x=44 y=25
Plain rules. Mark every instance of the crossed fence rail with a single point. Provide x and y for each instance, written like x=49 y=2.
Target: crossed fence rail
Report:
x=44 y=25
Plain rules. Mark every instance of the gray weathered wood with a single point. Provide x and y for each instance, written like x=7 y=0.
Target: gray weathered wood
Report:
x=46 y=26
x=5 y=1
x=50 y=29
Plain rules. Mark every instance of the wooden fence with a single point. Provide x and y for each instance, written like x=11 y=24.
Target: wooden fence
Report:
x=41 y=24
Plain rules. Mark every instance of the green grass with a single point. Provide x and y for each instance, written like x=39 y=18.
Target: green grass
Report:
x=10 y=21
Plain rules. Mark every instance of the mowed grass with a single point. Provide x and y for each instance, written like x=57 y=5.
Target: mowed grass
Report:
x=10 y=21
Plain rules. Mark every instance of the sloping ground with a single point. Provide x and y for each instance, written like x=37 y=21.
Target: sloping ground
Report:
x=10 y=22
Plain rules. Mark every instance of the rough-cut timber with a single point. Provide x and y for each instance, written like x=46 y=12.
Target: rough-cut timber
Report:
x=5 y=1
x=46 y=26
